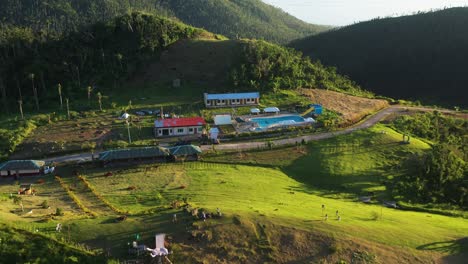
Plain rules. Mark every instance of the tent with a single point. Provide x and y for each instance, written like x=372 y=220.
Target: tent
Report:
x=271 y=110
x=255 y=111
x=222 y=120
x=125 y=116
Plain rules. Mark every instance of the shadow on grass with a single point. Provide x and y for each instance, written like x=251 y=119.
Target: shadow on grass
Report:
x=451 y=247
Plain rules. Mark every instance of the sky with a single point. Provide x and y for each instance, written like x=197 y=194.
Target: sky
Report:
x=345 y=12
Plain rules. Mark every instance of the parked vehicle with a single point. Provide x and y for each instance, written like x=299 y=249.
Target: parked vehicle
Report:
x=48 y=170
x=140 y=113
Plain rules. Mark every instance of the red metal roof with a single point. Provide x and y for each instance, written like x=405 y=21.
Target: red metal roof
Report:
x=180 y=122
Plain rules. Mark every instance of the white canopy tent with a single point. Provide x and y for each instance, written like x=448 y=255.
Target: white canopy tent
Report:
x=271 y=110
x=255 y=111
x=222 y=120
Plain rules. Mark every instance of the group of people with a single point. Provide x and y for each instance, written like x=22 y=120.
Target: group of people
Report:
x=204 y=215
x=337 y=214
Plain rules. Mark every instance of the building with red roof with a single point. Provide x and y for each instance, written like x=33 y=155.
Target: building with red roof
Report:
x=179 y=126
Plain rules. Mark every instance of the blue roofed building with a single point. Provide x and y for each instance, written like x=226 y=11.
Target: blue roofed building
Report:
x=231 y=99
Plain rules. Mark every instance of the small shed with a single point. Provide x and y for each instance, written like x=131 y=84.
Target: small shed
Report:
x=22 y=168
x=318 y=109
x=185 y=152
x=271 y=110
x=220 y=120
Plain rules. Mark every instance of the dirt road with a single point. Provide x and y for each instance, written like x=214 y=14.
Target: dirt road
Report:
x=372 y=120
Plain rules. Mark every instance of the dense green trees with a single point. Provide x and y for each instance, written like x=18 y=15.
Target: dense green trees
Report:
x=99 y=54
x=435 y=177
x=265 y=66
x=251 y=19
x=441 y=175
x=420 y=57
x=243 y=18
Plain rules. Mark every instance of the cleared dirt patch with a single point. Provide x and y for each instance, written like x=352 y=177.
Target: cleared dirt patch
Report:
x=351 y=108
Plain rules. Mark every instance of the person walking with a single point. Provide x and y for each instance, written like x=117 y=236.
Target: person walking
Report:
x=204 y=216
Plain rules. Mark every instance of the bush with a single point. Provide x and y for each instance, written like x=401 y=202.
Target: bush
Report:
x=59 y=212
x=45 y=204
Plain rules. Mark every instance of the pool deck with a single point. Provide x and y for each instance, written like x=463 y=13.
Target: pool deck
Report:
x=251 y=126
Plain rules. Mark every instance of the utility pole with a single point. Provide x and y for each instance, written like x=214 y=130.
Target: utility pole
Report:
x=128 y=129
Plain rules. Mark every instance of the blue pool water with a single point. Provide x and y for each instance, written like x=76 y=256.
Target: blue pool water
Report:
x=266 y=122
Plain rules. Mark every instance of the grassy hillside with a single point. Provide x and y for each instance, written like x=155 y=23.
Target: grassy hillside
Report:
x=420 y=57
x=20 y=246
x=270 y=200
x=243 y=18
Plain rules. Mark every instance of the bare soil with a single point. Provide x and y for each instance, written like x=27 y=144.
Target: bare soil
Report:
x=351 y=108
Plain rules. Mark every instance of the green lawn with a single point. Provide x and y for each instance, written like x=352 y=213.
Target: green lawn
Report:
x=283 y=187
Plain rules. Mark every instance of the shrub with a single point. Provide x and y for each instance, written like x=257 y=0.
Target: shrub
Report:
x=44 y=204
x=58 y=211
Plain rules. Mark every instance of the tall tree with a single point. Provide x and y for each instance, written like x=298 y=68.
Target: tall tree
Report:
x=89 y=90
x=68 y=108
x=36 y=98
x=20 y=104
x=59 y=88
x=4 y=96
x=99 y=96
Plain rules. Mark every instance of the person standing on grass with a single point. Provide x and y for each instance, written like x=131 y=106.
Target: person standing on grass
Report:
x=323 y=209
x=339 y=218
x=326 y=217
x=337 y=213
x=174 y=218
x=204 y=216
x=219 y=212
x=58 y=228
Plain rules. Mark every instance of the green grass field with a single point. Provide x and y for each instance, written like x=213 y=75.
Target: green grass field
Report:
x=264 y=195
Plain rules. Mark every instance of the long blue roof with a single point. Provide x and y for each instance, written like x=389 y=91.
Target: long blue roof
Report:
x=230 y=96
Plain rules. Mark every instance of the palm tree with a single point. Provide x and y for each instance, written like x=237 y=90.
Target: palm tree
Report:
x=59 y=87
x=68 y=108
x=89 y=90
x=4 y=96
x=20 y=103
x=99 y=96
x=31 y=76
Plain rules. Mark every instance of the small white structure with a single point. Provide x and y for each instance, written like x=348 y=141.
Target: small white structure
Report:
x=271 y=110
x=220 y=120
x=160 y=250
x=214 y=133
x=125 y=116
x=255 y=111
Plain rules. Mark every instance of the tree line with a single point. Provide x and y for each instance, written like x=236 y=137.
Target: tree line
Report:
x=232 y=18
x=439 y=175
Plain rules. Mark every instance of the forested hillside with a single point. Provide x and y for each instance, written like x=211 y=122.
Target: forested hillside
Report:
x=420 y=57
x=104 y=56
x=233 y=18
x=241 y=18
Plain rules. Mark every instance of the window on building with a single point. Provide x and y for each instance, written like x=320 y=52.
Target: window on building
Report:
x=180 y=130
x=190 y=130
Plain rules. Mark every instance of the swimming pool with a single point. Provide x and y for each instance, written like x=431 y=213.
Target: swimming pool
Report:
x=269 y=122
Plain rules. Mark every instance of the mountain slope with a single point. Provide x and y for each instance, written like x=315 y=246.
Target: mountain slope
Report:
x=107 y=56
x=243 y=18
x=420 y=57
